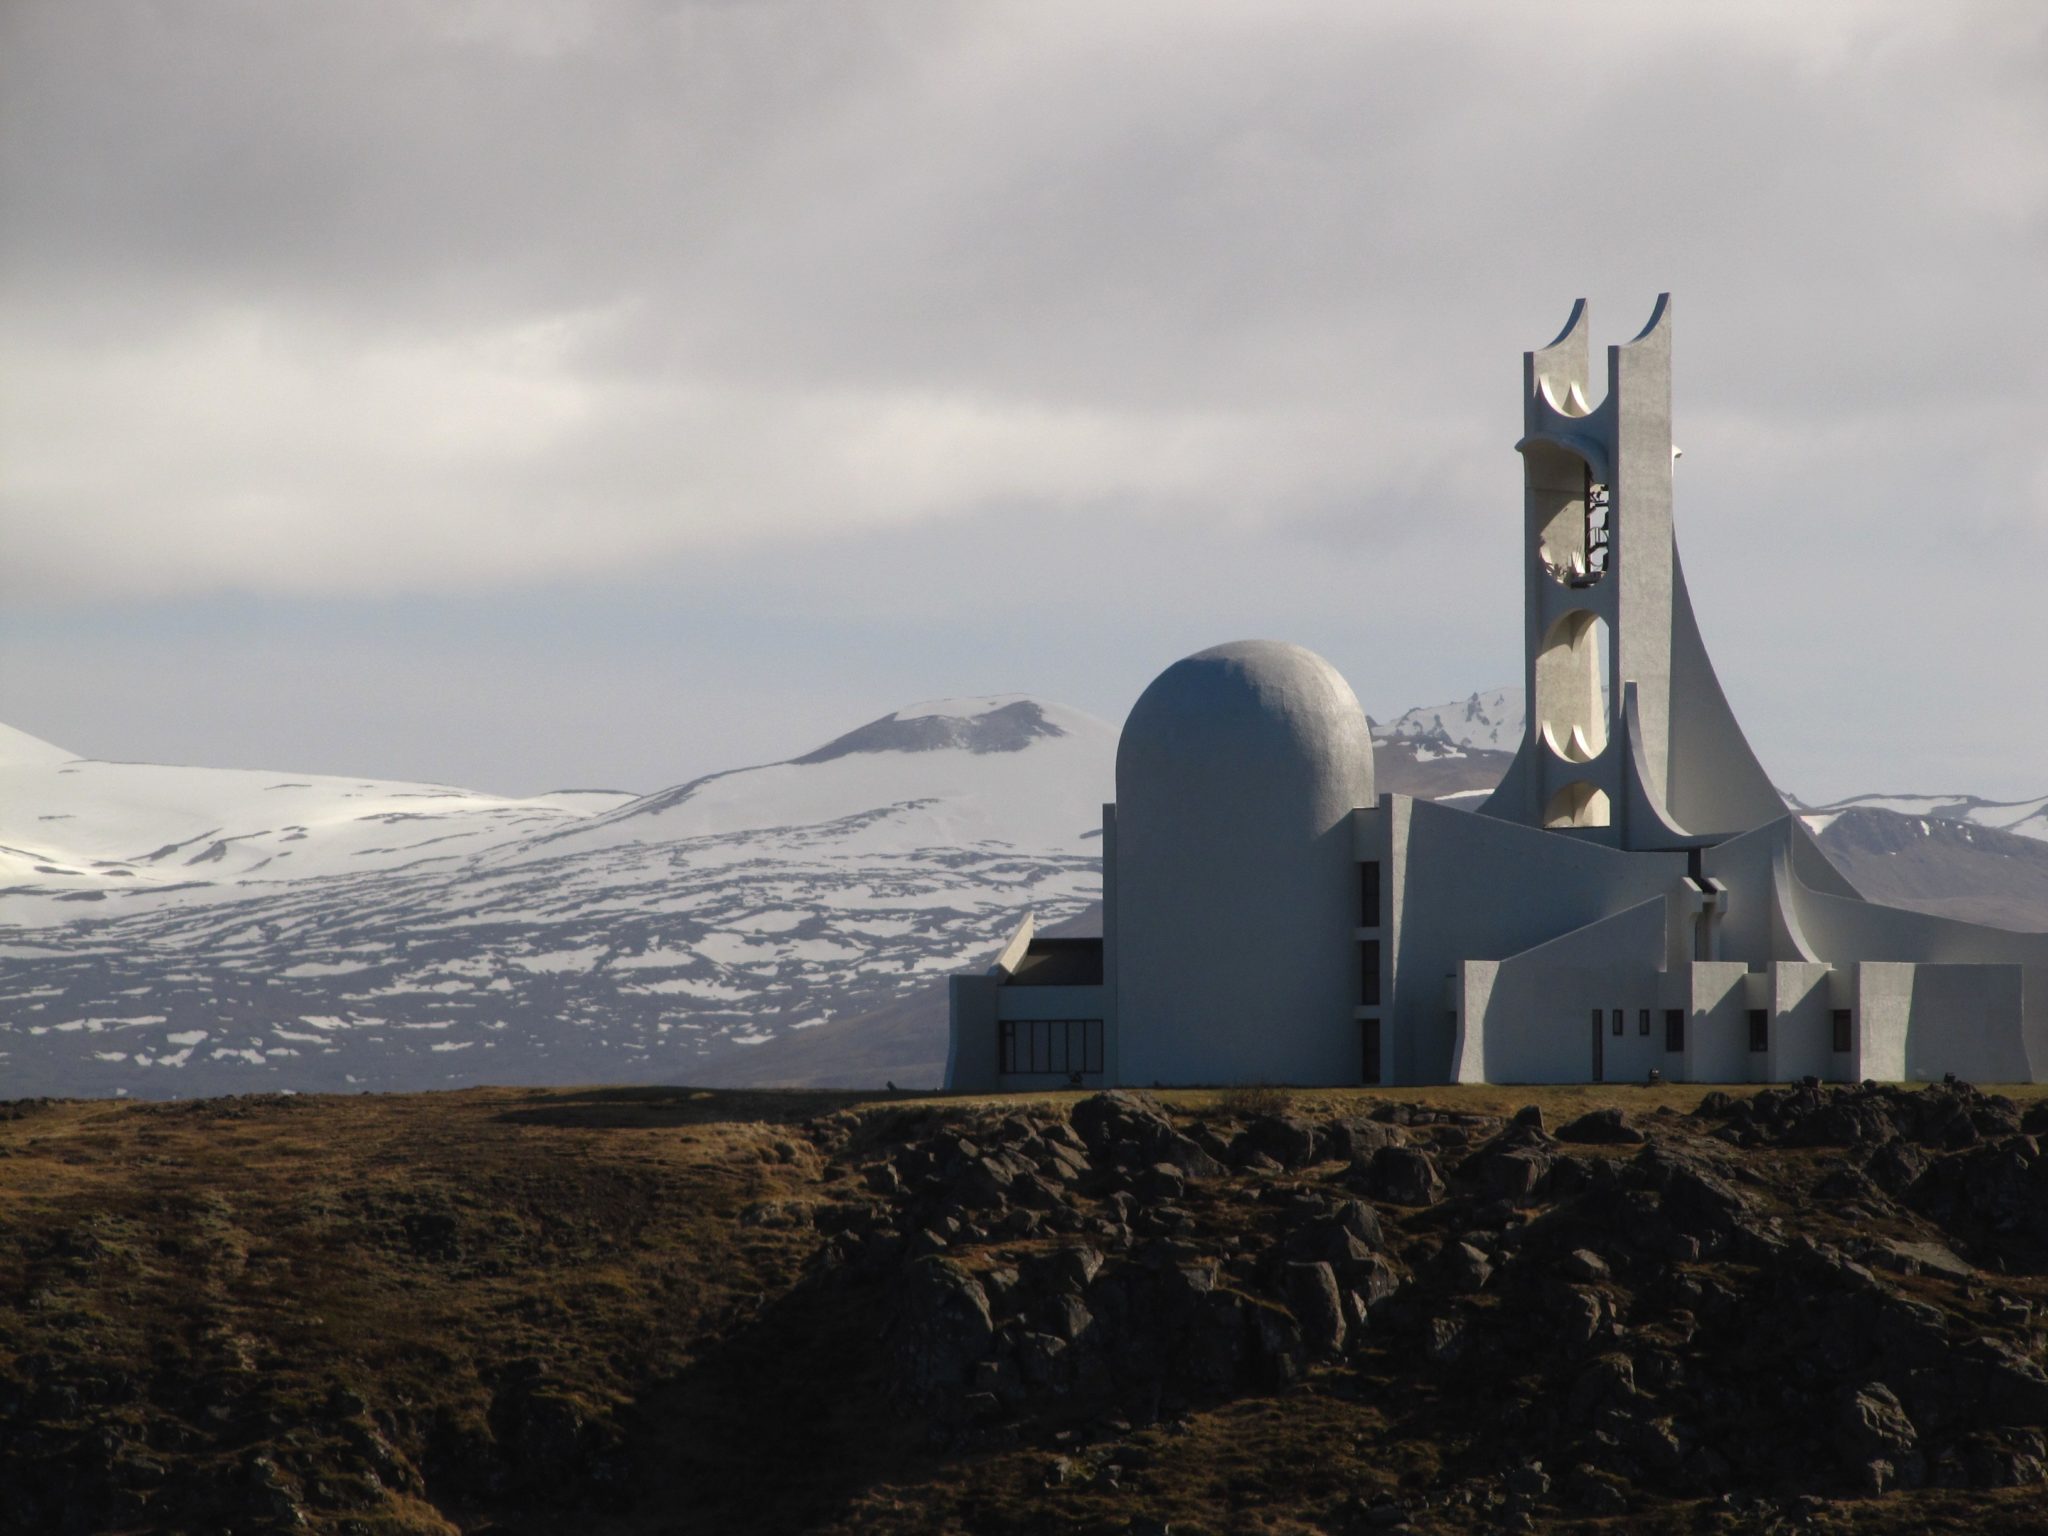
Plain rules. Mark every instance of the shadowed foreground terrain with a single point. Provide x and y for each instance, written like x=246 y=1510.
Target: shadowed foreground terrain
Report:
x=651 y=1310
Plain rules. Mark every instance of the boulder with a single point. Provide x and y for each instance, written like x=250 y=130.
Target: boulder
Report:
x=1529 y=1480
x=1870 y=1422
x=1515 y=1175
x=1355 y=1138
x=1584 y=1264
x=1159 y=1185
x=1277 y=1340
x=1462 y=1268
x=1361 y=1221
x=1288 y=1141
x=942 y=1327
x=1312 y=1295
x=1128 y=1127
x=1609 y=1382
x=1373 y=1277
x=1073 y=1268
x=1996 y=1458
x=1444 y=1340
x=1896 y=1166
x=1601 y=1127
x=1404 y=1176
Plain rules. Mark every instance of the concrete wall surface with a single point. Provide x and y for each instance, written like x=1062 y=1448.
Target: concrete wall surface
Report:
x=1236 y=882
x=1477 y=888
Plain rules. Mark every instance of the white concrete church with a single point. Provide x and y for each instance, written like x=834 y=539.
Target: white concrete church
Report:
x=1635 y=895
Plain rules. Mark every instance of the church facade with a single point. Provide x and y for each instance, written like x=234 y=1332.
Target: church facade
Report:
x=1634 y=896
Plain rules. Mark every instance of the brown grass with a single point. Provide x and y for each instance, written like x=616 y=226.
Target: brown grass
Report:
x=244 y=1265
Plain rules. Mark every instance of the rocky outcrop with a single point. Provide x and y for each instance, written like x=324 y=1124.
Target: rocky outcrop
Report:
x=1636 y=1302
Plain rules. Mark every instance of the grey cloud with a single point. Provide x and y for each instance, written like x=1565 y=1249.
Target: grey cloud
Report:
x=361 y=300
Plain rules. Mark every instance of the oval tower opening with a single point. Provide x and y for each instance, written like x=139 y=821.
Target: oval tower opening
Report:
x=1571 y=687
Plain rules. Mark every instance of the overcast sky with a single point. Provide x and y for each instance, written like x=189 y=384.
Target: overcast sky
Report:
x=598 y=394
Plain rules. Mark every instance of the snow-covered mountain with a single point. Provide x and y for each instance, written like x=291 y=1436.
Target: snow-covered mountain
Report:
x=136 y=835
x=1491 y=721
x=170 y=930
x=1455 y=752
x=184 y=931
x=2022 y=818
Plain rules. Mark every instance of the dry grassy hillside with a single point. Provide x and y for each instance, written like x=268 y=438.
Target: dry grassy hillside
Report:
x=648 y=1310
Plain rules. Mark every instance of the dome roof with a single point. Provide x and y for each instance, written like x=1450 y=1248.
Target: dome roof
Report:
x=1255 y=717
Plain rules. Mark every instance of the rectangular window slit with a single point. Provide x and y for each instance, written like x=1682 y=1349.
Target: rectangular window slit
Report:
x=1369 y=894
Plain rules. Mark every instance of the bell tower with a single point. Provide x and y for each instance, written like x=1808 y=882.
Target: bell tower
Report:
x=1617 y=685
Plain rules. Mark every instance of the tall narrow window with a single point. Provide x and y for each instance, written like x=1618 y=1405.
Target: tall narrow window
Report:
x=1369 y=1046
x=1369 y=894
x=1643 y=1022
x=1369 y=972
x=1759 y=1029
x=1674 y=1029
x=1844 y=1022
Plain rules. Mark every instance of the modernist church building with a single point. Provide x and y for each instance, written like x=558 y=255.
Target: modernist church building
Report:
x=1634 y=896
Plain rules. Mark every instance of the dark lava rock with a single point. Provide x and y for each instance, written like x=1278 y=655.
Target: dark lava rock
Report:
x=1601 y=1127
x=1996 y=1194
x=1312 y=1293
x=1584 y=1264
x=1405 y=1176
x=1288 y=1141
x=1463 y=1268
x=1109 y=1122
x=1871 y=1422
x=942 y=1326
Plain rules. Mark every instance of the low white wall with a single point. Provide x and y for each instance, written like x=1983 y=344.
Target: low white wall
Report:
x=1717 y=1023
x=1802 y=1024
x=1966 y=1020
x=1884 y=1010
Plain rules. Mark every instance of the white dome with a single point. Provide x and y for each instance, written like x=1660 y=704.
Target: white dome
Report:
x=1254 y=720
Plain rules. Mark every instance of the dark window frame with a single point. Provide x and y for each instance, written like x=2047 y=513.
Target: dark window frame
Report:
x=1643 y=1023
x=1674 y=1029
x=1369 y=973
x=1759 y=1030
x=1843 y=1023
x=1620 y=1025
x=1049 y=1047
x=1369 y=1046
